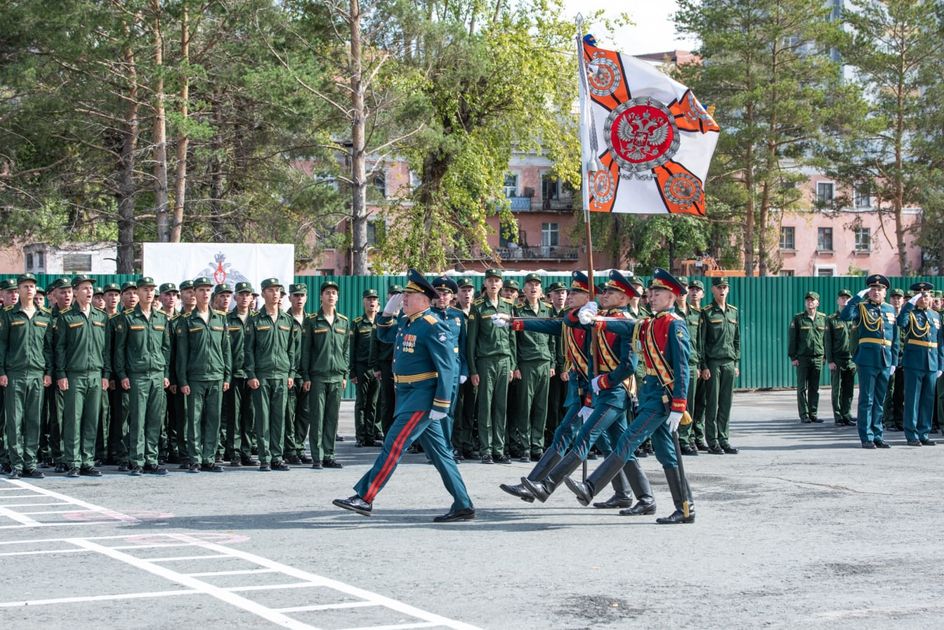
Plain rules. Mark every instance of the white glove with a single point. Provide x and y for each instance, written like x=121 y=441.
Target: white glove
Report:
x=595 y=384
x=915 y=298
x=587 y=312
x=437 y=415
x=500 y=320
x=937 y=374
x=893 y=371
x=863 y=293
x=584 y=413
x=463 y=379
x=392 y=307
x=673 y=421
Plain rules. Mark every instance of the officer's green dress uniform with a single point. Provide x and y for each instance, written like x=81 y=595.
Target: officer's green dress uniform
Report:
x=80 y=357
x=204 y=363
x=839 y=345
x=325 y=363
x=367 y=429
x=922 y=360
x=690 y=434
x=535 y=358
x=805 y=340
x=270 y=357
x=24 y=360
x=721 y=344
x=142 y=355
x=237 y=401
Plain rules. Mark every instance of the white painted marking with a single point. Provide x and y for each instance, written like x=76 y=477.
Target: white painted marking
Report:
x=19 y=517
x=272 y=587
x=40 y=552
x=58 y=511
x=236 y=572
x=208 y=589
x=59 y=524
x=69 y=500
x=178 y=558
x=337 y=606
x=20 y=496
x=96 y=598
x=398 y=626
x=154 y=546
x=49 y=540
x=9 y=505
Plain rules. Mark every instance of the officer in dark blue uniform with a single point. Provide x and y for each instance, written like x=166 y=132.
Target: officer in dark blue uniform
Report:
x=876 y=356
x=922 y=361
x=456 y=321
x=423 y=367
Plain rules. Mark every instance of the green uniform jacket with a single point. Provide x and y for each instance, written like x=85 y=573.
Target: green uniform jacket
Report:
x=692 y=320
x=80 y=343
x=49 y=341
x=326 y=348
x=362 y=341
x=23 y=349
x=142 y=345
x=203 y=349
x=805 y=336
x=487 y=341
x=839 y=341
x=534 y=347
x=271 y=346
x=720 y=334
x=237 y=341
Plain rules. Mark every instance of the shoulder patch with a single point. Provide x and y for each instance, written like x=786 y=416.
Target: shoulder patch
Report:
x=507 y=301
x=8 y=308
x=431 y=319
x=478 y=301
x=340 y=316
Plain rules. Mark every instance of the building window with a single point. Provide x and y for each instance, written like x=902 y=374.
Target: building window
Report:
x=825 y=271
x=863 y=239
x=76 y=263
x=824 y=239
x=824 y=192
x=40 y=260
x=511 y=185
x=550 y=234
x=863 y=195
x=379 y=182
x=29 y=262
x=788 y=238
x=787 y=273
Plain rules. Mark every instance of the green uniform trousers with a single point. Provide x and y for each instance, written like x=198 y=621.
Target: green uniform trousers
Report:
x=268 y=403
x=297 y=419
x=463 y=434
x=842 y=381
x=719 y=391
x=894 y=406
x=493 y=399
x=237 y=418
x=173 y=435
x=687 y=432
x=204 y=407
x=366 y=419
x=808 y=371
x=387 y=399
x=146 y=404
x=80 y=419
x=324 y=403
x=4 y=447
x=104 y=423
x=526 y=434
x=22 y=405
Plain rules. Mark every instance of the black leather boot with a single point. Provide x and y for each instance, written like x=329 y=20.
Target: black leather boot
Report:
x=679 y=495
x=604 y=474
x=547 y=462
x=641 y=488
x=545 y=488
x=622 y=496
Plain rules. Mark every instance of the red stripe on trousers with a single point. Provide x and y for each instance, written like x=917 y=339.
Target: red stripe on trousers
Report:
x=395 y=452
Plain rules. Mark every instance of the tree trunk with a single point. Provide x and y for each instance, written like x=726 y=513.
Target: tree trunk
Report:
x=183 y=140
x=898 y=202
x=126 y=185
x=160 y=130
x=216 y=173
x=749 y=210
x=358 y=150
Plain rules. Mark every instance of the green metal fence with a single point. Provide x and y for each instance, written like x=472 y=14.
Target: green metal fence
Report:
x=766 y=304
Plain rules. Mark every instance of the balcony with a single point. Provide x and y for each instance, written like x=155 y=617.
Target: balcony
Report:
x=520 y=204
x=537 y=253
x=537 y=204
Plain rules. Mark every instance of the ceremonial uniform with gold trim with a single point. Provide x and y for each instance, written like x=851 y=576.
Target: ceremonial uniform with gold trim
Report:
x=922 y=360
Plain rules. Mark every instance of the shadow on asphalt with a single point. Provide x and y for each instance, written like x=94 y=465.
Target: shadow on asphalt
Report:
x=825 y=435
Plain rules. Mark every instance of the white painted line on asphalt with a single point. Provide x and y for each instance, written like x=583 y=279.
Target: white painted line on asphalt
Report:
x=9 y=505
x=154 y=546
x=271 y=587
x=236 y=572
x=64 y=524
x=35 y=541
x=96 y=598
x=337 y=606
x=179 y=558
x=19 y=517
x=398 y=626
x=40 y=552
x=33 y=495
x=58 y=511
x=70 y=500
x=208 y=589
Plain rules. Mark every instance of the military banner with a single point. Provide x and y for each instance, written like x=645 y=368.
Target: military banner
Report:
x=646 y=140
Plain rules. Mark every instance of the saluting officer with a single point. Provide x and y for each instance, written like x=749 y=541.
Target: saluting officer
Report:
x=142 y=368
x=922 y=361
x=721 y=341
x=875 y=357
x=367 y=430
x=381 y=362
x=805 y=340
x=839 y=346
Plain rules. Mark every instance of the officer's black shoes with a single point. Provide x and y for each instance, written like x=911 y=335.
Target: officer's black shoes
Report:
x=135 y=471
x=464 y=514
x=536 y=488
x=248 y=461
x=805 y=419
x=487 y=459
x=680 y=492
x=526 y=458
x=235 y=463
x=126 y=467
x=331 y=463
x=536 y=456
x=294 y=460
x=642 y=508
x=714 y=449
x=701 y=446
x=677 y=518
x=583 y=491
x=519 y=491
x=850 y=422
x=688 y=450
x=613 y=502
x=502 y=459
x=927 y=442
x=265 y=468
x=728 y=449
x=882 y=444
x=194 y=468
x=184 y=465
x=32 y=473
x=215 y=467
x=305 y=459
x=913 y=443
x=543 y=489
x=280 y=466
x=867 y=445
x=359 y=505
x=316 y=466
x=339 y=438
x=154 y=469
x=14 y=474
x=90 y=471
x=73 y=473
x=60 y=468
x=358 y=444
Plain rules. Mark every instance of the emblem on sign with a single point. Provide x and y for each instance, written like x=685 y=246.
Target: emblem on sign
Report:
x=642 y=134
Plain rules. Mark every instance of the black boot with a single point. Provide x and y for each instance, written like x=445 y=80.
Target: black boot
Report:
x=604 y=474
x=621 y=497
x=547 y=462
x=679 y=496
x=545 y=488
x=641 y=488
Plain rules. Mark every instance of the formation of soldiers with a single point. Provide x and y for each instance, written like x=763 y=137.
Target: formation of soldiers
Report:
x=896 y=348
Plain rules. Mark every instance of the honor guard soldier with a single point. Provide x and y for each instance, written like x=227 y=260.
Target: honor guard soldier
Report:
x=875 y=357
x=82 y=375
x=25 y=370
x=922 y=361
x=297 y=412
x=367 y=430
x=381 y=362
x=271 y=367
x=721 y=342
x=805 y=340
x=237 y=402
x=492 y=360
x=455 y=320
x=203 y=375
x=839 y=346
x=663 y=397
x=142 y=368
x=326 y=354
x=424 y=366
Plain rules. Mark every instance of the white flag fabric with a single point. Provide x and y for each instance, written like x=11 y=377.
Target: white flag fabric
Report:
x=646 y=140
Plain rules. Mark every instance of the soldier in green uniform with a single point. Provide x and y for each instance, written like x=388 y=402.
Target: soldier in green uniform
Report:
x=535 y=369
x=270 y=360
x=696 y=291
x=805 y=339
x=110 y=296
x=203 y=374
x=325 y=361
x=25 y=369
x=367 y=429
x=721 y=343
x=82 y=375
x=381 y=362
x=63 y=297
x=237 y=403
x=297 y=414
x=492 y=357
x=121 y=402
x=557 y=388
x=187 y=304
x=169 y=298
x=839 y=348
x=463 y=436
x=691 y=313
x=142 y=368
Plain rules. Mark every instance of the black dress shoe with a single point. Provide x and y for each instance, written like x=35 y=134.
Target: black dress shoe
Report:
x=331 y=463
x=135 y=471
x=215 y=467
x=701 y=446
x=317 y=466
x=126 y=467
x=688 y=450
x=358 y=444
x=73 y=473
x=714 y=449
x=642 y=508
x=280 y=466
x=728 y=449
x=805 y=420
x=152 y=469
x=882 y=444
x=641 y=452
x=206 y=467
x=354 y=504
x=913 y=443
x=339 y=438
x=235 y=463
x=526 y=458
x=613 y=502
x=816 y=420
x=927 y=442
x=487 y=459
x=868 y=445
x=519 y=491
x=90 y=471
x=305 y=459
x=464 y=514
x=194 y=468
x=14 y=474
x=502 y=459
x=265 y=468
x=295 y=460
x=677 y=518
x=60 y=468
x=32 y=473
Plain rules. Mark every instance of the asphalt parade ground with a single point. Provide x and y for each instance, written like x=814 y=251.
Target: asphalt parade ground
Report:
x=801 y=529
